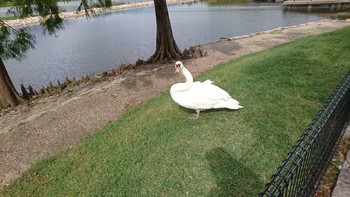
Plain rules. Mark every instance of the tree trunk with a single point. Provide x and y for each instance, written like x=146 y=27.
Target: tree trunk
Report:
x=166 y=47
x=8 y=94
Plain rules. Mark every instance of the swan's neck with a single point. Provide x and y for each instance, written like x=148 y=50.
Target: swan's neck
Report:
x=187 y=75
x=179 y=87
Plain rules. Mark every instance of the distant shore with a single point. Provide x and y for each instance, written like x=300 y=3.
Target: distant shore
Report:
x=74 y=14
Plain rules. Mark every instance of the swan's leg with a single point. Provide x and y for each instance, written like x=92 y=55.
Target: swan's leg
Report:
x=196 y=115
x=197 y=111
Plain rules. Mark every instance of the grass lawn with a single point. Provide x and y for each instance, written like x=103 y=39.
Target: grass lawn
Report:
x=155 y=150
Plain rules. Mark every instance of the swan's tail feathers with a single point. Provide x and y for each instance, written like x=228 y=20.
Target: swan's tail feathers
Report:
x=235 y=106
x=230 y=104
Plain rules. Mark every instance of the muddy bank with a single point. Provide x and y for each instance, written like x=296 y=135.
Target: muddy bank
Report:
x=50 y=125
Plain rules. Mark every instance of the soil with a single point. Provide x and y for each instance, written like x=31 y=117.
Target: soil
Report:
x=49 y=125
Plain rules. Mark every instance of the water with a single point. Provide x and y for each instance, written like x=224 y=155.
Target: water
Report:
x=104 y=42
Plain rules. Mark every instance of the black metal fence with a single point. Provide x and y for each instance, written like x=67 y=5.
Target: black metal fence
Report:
x=302 y=170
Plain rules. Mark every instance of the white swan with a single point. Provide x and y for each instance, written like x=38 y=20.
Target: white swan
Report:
x=200 y=95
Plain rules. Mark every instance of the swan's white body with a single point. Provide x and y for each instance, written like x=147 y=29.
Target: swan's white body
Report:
x=200 y=95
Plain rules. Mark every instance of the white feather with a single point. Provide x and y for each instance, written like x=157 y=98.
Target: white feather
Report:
x=200 y=95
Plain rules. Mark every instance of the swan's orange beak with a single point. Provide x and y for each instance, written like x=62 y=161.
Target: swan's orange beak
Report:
x=177 y=69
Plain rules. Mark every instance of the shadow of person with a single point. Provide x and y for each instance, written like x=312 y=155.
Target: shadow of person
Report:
x=233 y=178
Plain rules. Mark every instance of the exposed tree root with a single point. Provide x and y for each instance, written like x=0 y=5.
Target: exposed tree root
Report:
x=194 y=53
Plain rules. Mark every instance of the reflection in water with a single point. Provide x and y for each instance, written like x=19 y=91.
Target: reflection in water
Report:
x=104 y=42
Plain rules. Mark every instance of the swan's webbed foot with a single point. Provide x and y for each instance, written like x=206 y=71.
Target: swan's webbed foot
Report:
x=196 y=115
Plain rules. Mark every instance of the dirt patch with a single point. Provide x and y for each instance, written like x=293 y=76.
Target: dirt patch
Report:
x=52 y=124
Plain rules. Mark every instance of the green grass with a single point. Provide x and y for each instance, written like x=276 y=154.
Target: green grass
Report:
x=155 y=150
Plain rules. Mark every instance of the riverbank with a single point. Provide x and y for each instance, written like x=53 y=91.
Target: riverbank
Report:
x=50 y=125
x=74 y=14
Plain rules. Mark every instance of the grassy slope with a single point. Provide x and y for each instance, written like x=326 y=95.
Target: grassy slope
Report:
x=155 y=150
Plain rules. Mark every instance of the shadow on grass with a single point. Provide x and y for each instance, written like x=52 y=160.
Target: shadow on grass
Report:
x=233 y=178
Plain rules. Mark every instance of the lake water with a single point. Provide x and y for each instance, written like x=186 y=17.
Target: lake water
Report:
x=104 y=42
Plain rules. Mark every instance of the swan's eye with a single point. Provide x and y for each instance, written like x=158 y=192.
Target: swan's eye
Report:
x=177 y=65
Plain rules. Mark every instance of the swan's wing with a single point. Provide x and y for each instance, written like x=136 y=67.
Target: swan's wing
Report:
x=207 y=90
x=206 y=95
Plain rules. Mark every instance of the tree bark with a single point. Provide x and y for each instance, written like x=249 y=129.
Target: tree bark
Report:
x=8 y=94
x=166 y=47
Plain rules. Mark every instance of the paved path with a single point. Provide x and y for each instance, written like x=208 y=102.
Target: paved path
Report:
x=342 y=189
